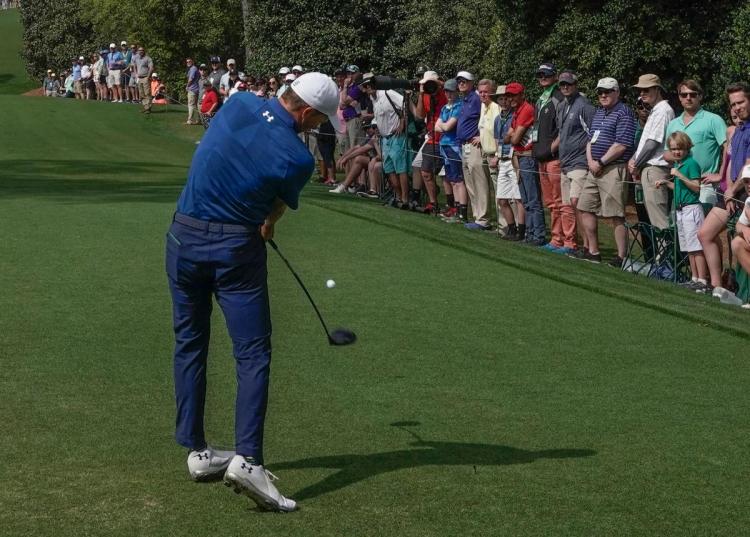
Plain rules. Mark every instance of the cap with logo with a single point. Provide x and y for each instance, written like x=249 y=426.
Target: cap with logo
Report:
x=352 y=69
x=514 y=88
x=284 y=70
x=568 y=77
x=231 y=61
x=450 y=85
x=547 y=69
x=203 y=66
x=215 y=59
x=123 y=43
x=648 y=81
x=608 y=83
x=298 y=69
x=112 y=45
x=321 y=93
x=154 y=75
x=367 y=78
x=466 y=75
x=501 y=90
x=81 y=58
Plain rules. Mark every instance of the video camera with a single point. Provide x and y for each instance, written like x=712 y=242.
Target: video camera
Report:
x=431 y=87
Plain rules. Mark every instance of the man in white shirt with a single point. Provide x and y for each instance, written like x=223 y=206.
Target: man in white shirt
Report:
x=648 y=164
x=388 y=108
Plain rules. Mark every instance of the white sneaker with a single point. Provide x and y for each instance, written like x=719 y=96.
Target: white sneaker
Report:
x=255 y=482
x=718 y=292
x=338 y=190
x=208 y=463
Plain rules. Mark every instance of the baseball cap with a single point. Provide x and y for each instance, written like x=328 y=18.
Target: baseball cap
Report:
x=123 y=43
x=154 y=75
x=450 y=85
x=648 y=81
x=466 y=75
x=745 y=173
x=501 y=90
x=607 y=83
x=284 y=70
x=231 y=61
x=514 y=88
x=112 y=45
x=429 y=75
x=568 y=77
x=49 y=70
x=352 y=69
x=81 y=58
x=215 y=59
x=547 y=69
x=290 y=78
x=203 y=66
x=298 y=68
x=338 y=72
x=367 y=78
x=321 y=93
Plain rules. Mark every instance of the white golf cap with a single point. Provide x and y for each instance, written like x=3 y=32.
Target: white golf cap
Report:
x=123 y=42
x=298 y=68
x=607 y=83
x=154 y=75
x=284 y=70
x=81 y=58
x=321 y=93
x=231 y=61
x=290 y=77
x=429 y=75
x=745 y=173
x=112 y=45
x=466 y=75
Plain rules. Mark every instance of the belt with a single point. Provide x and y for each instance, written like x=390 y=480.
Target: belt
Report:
x=523 y=153
x=214 y=227
x=681 y=206
x=505 y=158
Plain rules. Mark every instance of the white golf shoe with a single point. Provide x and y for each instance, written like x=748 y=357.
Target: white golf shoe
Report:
x=341 y=189
x=208 y=463
x=254 y=481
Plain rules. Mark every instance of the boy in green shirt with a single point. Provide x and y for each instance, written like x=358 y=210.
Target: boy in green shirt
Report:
x=686 y=175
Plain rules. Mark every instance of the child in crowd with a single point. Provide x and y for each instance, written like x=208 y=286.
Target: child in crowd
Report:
x=455 y=189
x=686 y=184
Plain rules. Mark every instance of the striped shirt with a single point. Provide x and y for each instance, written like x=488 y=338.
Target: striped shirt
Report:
x=609 y=127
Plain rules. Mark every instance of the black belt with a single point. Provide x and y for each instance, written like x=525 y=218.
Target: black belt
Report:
x=681 y=206
x=215 y=227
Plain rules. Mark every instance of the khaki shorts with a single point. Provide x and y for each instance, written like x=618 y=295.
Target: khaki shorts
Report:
x=605 y=195
x=571 y=184
x=113 y=78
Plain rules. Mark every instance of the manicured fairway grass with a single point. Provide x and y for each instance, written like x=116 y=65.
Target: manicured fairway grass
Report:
x=495 y=389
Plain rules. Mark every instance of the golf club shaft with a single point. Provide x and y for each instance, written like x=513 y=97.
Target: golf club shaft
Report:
x=302 y=285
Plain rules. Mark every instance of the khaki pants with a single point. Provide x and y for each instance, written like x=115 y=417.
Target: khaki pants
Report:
x=655 y=199
x=354 y=132
x=144 y=87
x=192 y=99
x=476 y=179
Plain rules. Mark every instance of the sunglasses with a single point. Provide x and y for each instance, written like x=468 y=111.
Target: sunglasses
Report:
x=543 y=75
x=686 y=94
x=565 y=84
x=461 y=81
x=601 y=92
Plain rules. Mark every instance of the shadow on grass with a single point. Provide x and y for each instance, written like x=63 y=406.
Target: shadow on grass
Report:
x=91 y=180
x=355 y=468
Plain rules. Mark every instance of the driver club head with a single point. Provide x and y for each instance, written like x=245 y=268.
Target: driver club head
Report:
x=341 y=336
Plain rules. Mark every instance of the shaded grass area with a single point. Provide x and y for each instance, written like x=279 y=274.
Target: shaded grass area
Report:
x=495 y=389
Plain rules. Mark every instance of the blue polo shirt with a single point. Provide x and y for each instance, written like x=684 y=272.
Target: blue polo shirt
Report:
x=616 y=125
x=250 y=156
x=468 y=121
x=449 y=111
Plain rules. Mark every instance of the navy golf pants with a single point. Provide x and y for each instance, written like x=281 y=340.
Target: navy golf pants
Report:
x=531 y=198
x=229 y=262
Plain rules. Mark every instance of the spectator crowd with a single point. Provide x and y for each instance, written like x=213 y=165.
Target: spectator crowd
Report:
x=502 y=159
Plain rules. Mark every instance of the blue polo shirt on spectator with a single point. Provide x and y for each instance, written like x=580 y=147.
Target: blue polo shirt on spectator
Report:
x=447 y=112
x=193 y=76
x=114 y=60
x=616 y=125
x=76 y=72
x=251 y=155
x=468 y=120
x=500 y=129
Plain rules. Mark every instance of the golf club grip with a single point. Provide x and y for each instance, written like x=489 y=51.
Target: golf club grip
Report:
x=302 y=285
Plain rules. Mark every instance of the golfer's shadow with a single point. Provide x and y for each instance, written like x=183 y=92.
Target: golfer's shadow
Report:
x=354 y=468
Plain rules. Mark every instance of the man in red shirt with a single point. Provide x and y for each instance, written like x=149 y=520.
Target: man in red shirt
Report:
x=209 y=104
x=428 y=159
x=519 y=135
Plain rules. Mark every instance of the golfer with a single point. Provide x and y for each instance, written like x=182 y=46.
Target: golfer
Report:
x=249 y=167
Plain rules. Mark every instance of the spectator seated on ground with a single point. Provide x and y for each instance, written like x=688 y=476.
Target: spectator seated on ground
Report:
x=741 y=241
x=158 y=91
x=364 y=157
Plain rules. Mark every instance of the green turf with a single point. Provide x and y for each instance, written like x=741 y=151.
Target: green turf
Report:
x=531 y=394
x=13 y=77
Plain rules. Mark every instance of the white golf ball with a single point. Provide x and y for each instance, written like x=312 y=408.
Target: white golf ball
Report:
x=330 y=284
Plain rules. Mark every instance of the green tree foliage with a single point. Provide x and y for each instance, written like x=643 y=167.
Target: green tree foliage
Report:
x=54 y=34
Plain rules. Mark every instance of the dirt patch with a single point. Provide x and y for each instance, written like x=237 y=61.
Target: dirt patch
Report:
x=38 y=92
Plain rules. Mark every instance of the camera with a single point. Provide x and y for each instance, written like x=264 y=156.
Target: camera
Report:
x=386 y=82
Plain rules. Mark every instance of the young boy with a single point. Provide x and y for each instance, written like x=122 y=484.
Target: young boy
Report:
x=686 y=175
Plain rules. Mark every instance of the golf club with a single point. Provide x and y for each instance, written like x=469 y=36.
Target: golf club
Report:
x=340 y=336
